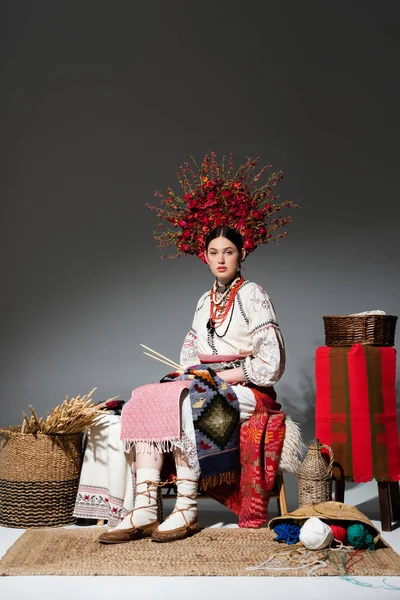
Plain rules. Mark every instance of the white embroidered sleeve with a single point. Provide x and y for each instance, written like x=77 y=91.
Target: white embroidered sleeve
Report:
x=189 y=350
x=267 y=363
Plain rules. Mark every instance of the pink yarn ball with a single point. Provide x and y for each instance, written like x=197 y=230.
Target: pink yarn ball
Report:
x=339 y=533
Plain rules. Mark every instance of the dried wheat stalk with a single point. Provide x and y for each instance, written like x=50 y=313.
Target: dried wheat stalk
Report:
x=72 y=416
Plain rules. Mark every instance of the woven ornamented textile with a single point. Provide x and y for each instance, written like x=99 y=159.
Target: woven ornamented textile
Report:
x=261 y=443
x=265 y=429
x=215 y=410
x=356 y=410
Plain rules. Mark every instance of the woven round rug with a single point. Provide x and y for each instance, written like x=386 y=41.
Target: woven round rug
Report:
x=212 y=552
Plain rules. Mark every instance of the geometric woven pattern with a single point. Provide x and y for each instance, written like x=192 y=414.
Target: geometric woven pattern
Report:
x=218 y=420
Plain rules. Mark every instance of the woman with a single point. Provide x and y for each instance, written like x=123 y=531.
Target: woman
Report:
x=234 y=324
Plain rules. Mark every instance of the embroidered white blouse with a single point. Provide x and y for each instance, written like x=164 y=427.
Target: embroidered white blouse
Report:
x=250 y=329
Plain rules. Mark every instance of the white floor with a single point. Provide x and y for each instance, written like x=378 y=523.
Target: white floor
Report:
x=364 y=496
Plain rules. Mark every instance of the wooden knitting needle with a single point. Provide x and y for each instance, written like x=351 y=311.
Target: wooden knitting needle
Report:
x=163 y=361
x=162 y=356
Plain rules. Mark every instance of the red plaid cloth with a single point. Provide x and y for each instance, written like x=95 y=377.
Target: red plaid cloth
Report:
x=355 y=410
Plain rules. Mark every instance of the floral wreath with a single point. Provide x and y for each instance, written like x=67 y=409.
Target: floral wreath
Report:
x=213 y=196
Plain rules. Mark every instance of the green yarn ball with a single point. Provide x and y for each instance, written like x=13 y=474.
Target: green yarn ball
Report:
x=360 y=537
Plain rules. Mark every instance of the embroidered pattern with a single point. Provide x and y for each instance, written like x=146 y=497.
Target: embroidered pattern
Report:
x=189 y=349
x=94 y=502
x=259 y=299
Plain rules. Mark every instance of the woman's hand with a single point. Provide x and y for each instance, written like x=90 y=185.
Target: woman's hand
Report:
x=235 y=375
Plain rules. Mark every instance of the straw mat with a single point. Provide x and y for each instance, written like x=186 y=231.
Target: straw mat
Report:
x=212 y=552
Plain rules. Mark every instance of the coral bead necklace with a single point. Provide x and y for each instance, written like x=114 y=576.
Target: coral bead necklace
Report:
x=220 y=306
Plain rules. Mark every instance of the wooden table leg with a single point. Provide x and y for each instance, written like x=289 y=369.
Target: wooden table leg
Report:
x=385 y=505
x=338 y=481
x=339 y=490
x=395 y=499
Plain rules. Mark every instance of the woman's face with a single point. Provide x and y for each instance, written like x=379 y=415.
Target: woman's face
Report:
x=223 y=258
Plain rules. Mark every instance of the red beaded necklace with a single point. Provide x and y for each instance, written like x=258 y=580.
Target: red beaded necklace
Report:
x=219 y=309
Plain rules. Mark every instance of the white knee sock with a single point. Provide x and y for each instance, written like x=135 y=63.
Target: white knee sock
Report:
x=188 y=487
x=147 y=507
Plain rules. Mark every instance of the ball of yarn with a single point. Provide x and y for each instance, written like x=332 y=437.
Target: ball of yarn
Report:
x=360 y=537
x=339 y=533
x=287 y=532
x=315 y=534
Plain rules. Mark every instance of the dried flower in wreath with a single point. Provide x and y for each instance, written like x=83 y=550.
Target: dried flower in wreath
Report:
x=215 y=195
x=72 y=416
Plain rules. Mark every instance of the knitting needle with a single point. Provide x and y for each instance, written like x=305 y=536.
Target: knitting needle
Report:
x=163 y=361
x=162 y=356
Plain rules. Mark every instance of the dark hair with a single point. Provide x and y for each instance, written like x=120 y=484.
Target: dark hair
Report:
x=227 y=232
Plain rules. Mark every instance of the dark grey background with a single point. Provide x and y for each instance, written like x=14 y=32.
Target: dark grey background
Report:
x=101 y=101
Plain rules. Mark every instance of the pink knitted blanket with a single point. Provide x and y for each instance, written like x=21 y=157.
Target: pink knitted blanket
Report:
x=153 y=414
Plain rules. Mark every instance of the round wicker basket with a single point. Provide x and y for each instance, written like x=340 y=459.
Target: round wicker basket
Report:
x=39 y=477
x=373 y=330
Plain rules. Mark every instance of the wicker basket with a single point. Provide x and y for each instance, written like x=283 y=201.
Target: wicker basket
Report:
x=39 y=477
x=372 y=330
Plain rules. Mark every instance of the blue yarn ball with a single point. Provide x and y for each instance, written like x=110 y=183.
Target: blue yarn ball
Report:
x=287 y=532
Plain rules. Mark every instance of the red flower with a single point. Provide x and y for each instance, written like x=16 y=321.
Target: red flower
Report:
x=215 y=196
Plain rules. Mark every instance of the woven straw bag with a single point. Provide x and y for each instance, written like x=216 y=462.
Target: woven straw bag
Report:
x=330 y=512
x=39 y=477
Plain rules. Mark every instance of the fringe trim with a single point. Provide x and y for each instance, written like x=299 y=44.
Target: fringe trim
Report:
x=212 y=481
x=293 y=447
x=162 y=446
